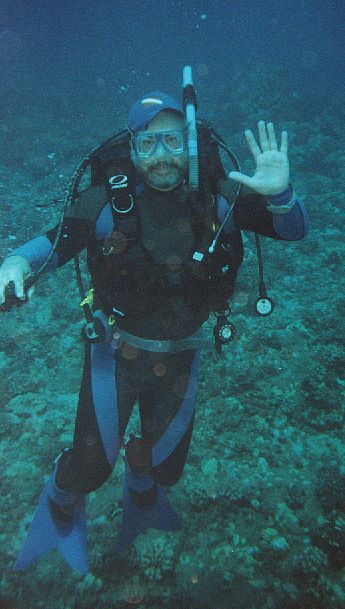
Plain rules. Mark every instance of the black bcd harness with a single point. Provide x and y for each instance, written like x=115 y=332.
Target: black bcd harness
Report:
x=211 y=270
x=206 y=280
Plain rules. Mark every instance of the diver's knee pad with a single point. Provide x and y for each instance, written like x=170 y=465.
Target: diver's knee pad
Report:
x=138 y=472
x=75 y=472
x=139 y=455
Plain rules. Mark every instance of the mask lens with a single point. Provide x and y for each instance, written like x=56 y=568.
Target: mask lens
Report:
x=173 y=141
x=145 y=144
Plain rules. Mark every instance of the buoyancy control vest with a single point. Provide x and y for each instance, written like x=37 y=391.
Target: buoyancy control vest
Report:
x=196 y=285
x=131 y=274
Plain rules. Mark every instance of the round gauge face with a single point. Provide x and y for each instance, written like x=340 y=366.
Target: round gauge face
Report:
x=226 y=333
x=264 y=306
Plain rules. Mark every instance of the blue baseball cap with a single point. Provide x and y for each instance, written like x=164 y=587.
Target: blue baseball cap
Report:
x=148 y=106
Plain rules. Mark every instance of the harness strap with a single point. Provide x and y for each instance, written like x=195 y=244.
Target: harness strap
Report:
x=197 y=341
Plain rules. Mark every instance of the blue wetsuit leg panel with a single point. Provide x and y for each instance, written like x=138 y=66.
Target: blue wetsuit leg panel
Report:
x=103 y=374
x=181 y=421
x=96 y=438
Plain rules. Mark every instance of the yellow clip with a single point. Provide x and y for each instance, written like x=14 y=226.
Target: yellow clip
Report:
x=88 y=299
x=111 y=320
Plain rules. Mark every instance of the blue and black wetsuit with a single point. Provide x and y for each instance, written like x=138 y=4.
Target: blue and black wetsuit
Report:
x=116 y=375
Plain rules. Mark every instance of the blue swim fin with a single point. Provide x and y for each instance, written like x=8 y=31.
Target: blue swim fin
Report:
x=136 y=520
x=46 y=534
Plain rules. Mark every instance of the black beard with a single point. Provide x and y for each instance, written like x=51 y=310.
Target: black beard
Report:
x=163 y=164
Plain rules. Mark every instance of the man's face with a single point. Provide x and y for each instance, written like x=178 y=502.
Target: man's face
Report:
x=161 y=159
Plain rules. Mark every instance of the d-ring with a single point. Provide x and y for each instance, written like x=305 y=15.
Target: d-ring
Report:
x=122 y=211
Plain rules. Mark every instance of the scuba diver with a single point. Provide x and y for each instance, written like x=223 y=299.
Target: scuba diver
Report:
x=164 y=246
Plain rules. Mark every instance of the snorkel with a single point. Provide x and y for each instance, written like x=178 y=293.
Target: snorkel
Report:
x=189 y=107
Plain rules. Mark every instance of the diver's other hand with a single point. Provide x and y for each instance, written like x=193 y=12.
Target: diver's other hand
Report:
x=272 y=165
x=16 y=269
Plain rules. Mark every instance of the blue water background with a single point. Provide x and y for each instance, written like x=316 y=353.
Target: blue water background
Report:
x=139 y=45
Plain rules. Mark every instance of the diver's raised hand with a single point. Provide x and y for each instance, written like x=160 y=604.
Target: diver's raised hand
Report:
x=272 y=165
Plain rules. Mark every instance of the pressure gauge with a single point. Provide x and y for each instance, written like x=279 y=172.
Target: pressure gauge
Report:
x=264 y=306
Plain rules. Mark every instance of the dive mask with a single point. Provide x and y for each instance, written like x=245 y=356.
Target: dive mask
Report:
x=146 y=142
